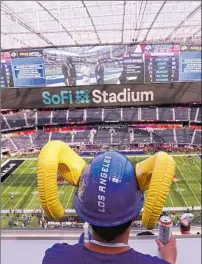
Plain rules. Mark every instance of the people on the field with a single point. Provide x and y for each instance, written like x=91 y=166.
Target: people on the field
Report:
x=99 y=72
x=191 y=158
x=85 y=73
x=69 y=72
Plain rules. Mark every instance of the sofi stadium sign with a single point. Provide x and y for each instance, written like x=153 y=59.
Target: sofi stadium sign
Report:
x=96 y=97
x=101 y=96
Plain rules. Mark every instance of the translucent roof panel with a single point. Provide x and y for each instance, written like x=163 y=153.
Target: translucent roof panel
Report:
x=50 y=23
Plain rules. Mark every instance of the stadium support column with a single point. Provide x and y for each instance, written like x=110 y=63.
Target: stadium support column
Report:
x=175 y=136
x=73 y=134
x=85 y=114
x=92 y=133
x=193 y=137
x=25 y=117
x=151 y=136
x=196 y=117
x=6 y=121
x=102 y=114
x=132 y=137
x=121 y=114
x=36 y=117
x=139 y=113
x=157 y=113
x=31 y=141
x=67 y=115
x=50 y=135
x=111 y=138
x=189 y=114
x=51 y=117
x=13 y=143
x=173 y=113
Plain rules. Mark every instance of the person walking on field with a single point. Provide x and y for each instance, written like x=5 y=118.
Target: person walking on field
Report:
x=85 y=73
x=99 y=72
x=69 y=72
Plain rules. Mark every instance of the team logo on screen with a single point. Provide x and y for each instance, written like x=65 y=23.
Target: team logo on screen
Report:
x=13 y=54
x=82 y=97
x=184 y=47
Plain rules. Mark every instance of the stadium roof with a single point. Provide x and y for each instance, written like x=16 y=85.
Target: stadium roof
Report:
x=53 y=23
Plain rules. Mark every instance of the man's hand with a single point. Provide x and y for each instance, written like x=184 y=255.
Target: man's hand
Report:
x=168 y=251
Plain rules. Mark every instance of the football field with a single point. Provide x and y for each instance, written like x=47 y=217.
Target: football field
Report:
x=19 y=190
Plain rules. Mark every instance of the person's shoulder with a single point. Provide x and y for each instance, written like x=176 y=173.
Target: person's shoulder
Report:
x=145 y=258
x=60 y=252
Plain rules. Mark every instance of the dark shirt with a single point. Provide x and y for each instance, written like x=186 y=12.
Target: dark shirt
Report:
x=69 y=70
x=99 y=72
x=79 y=254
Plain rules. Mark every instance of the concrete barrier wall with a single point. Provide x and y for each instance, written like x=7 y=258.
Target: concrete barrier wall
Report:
x=31 y=249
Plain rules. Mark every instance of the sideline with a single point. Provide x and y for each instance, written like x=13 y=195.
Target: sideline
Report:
x=130 y=156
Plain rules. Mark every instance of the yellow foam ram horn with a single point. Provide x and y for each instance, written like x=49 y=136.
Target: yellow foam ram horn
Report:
x=56 y=157
x=155 y=174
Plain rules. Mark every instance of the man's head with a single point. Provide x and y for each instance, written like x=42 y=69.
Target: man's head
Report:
x=69 y=59
x=108 y=197
x=185 y=227
x=109 y=234
x=98 y=62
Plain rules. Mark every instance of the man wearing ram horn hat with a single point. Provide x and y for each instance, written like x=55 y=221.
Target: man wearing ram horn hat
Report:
x=110 y=196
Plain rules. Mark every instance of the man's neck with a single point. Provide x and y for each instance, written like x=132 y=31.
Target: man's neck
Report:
x=120 y=239
x=109 y=250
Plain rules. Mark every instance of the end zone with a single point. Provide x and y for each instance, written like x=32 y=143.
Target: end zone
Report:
x=9 y=167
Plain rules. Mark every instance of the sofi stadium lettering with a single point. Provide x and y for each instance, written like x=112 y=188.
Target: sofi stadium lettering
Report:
x=123 y=97
x=97 y=97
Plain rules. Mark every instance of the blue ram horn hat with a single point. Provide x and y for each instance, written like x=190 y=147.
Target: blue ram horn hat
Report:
x=108 y=193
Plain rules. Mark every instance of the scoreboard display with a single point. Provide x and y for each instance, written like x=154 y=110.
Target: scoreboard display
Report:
x=28 y=68
x=133 y=64
x=6 y=71
x=190 y=63
x=162 y=63
x=115 y=64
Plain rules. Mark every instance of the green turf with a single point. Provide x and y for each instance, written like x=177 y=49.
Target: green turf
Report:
x=23 y=183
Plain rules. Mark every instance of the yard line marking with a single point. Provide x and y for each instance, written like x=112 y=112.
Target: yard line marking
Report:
x=181 y=191
x=17 y=189
x=15 y=179
x=25 y=193
x=69 y=198
x=197 y=165
x=27 y=207
x=181 y=194
x=190 y=170
x=34 y=196
x=61 y=189
x=171 y=199
x=188 y=185
x=191 y=179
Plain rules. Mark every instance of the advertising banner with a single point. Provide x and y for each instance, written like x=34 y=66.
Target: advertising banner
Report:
x=190 y=63
x=101 y=96
x=6 y=71
x=28 y=68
